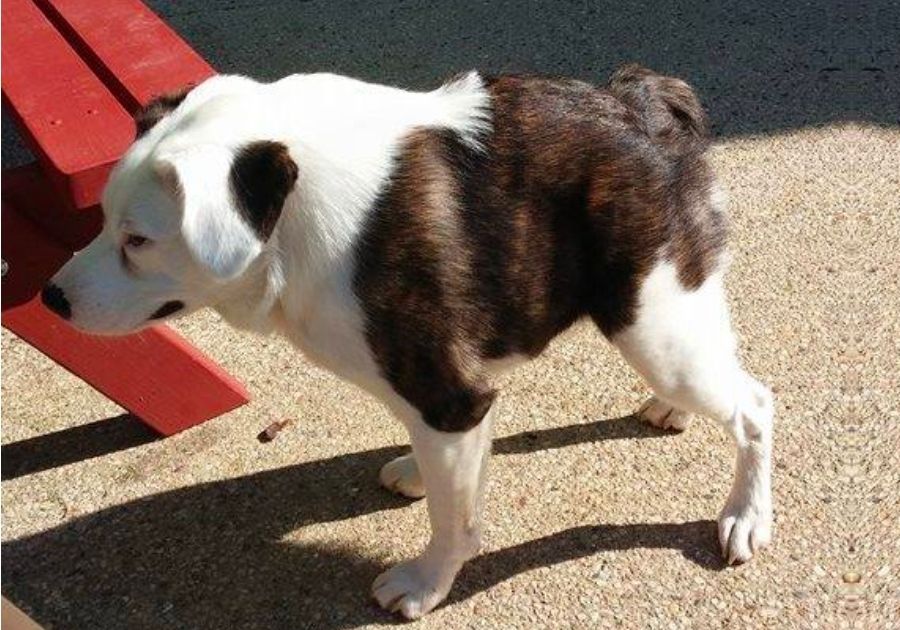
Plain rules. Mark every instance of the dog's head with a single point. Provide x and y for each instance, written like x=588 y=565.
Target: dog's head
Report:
x=187 y=211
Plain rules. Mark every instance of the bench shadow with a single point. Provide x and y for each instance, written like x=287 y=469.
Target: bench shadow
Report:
x=214 y=555
x=74 y=444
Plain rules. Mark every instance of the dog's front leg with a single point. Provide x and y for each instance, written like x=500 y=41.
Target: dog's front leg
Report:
x=453 y=467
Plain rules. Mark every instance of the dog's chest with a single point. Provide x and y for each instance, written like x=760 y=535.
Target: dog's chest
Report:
x=327 y=326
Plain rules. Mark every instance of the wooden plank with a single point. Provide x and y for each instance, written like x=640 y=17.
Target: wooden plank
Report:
x=129 y=47
x=73 y=123
x=155 y=374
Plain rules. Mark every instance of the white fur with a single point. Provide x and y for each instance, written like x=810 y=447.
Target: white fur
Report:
x=401 y=475
x=663 y=415
x=453 y=469
x=682 y=344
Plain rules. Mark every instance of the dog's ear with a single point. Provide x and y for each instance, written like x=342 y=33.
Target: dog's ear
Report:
x=216 y=235
x=261 y=177
x=157 y=109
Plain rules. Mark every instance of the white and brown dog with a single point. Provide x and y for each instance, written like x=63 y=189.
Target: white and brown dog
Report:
x=413 y=243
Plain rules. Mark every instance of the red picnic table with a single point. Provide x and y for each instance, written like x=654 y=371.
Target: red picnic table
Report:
x=74 y=72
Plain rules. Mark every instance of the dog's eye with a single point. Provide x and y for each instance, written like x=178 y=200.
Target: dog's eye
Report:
x=133 y=240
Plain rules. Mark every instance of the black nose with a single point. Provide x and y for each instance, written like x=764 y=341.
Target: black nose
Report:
x=54 y=299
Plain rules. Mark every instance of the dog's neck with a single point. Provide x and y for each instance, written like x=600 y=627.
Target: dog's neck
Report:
x=248 y=303
x=306 y=264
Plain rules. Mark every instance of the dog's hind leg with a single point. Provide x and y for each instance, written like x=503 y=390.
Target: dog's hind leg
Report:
x=662 y=415
x=681 y=342
x=401 y=475
x=452 y=465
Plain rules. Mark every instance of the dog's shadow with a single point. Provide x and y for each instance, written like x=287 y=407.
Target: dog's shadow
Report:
x=210 y=556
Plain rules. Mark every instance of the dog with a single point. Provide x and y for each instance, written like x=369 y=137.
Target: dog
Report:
x=414 y=243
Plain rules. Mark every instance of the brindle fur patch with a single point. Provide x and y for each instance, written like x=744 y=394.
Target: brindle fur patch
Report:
x=473 y=255
x=415 y=281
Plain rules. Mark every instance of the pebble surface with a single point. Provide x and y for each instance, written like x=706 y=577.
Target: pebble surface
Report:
x=592 y=520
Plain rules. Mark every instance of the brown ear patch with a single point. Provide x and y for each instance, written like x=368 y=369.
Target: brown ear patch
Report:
x=157 y=109
x=262 y=175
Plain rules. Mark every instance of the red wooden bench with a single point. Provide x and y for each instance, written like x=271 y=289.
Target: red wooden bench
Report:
x=73 y=74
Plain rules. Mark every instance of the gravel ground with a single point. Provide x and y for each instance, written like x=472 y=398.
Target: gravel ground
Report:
x=593 y=520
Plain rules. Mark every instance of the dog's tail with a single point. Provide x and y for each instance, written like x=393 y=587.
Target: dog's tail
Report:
x=668 y=107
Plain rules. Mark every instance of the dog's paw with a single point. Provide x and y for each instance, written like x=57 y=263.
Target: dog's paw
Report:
x=662 y=415
x=744 y=530
x=413 y=588
x=402 y=476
